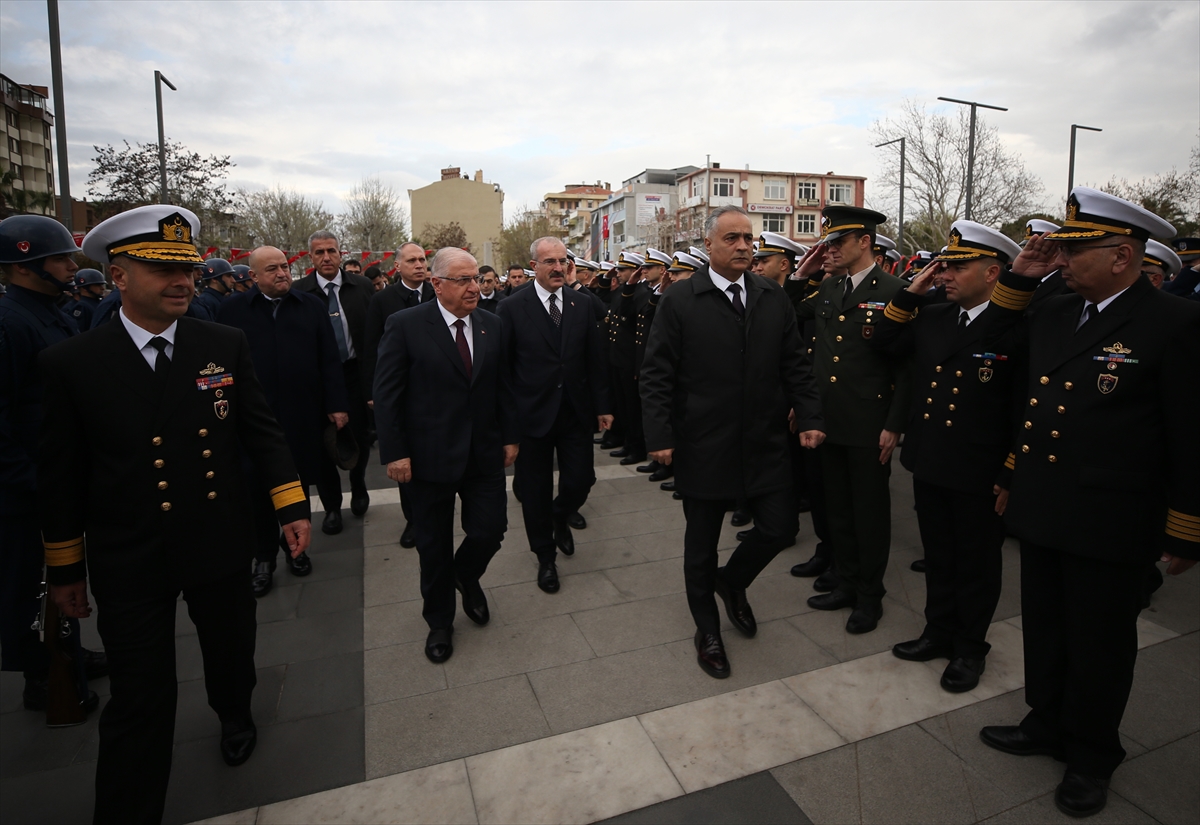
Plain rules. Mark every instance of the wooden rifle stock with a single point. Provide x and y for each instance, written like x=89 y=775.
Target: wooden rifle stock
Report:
x=63 y=705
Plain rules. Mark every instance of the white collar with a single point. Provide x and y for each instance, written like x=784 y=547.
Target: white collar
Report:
x=973 y=312
x=857 y=277
x=544 y=294
x=1100 y=307
x=450 y=318
x=141 y=338
x=722 y=283
x=324 y=282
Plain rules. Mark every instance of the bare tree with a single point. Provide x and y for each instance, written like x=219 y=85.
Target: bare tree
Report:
x=936 y=175
x=374 y=218
x=518 y=233
x=278 y=217
x=1174 y=196
x=438 y=235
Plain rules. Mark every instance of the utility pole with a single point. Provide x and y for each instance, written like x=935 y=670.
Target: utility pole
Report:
x=1071 y=162
x=60 y=116
x=162 y=141
x=900 y=232
x=971 y=142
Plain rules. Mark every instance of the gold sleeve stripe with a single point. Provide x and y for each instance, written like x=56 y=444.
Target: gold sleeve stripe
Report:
x=1010 y=463
x=287 y=494
x=1182 y=517
x=900 y=316
x=1010 y=298
x=62 y=553
x=1182 y=526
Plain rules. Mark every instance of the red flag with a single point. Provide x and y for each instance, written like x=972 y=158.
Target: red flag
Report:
x=364 y=255
x=386 y=255
x=310 y=270
x=390 y=272
x=296 y=257
x=208 y=253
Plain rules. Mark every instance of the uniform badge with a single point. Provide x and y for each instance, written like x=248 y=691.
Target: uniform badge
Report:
x=221 y=408
x=1106 y=383
x=867 y=330
x=23 y=246
x=985 y=374
x=212 y=369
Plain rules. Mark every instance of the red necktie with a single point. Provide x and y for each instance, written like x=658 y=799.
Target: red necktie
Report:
x=463 y=350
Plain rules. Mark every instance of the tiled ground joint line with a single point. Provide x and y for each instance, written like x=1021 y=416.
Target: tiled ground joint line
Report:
x=605 y=770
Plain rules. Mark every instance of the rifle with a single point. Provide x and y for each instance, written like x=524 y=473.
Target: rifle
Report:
x=64 y=707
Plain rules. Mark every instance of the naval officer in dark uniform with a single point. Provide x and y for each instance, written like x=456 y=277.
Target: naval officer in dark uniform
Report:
x=163 y=408
x=1106 y=480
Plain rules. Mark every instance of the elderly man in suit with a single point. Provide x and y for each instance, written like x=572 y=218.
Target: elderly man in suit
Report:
x=346 y=296
x=552 y=350
x=447 y=427
x=724 y=366
x=296 y=359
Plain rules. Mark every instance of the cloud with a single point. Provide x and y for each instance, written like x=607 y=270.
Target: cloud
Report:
x=314 y=96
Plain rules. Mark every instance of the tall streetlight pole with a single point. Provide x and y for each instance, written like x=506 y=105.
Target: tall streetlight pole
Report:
x=1071 y=163
x=971 y=142
x=900 y=233
x=60 y=115
x=162 y=141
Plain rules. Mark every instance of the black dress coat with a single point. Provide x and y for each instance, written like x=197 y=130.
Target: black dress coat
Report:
x=426 y=408
x=713 y=387
x=385 y=302
x=354 y=296
x=296 y=359
x=154 y=473
x=1053 y=285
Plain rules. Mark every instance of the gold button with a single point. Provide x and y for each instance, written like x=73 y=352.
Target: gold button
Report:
x=206 y=454
x=1029 y=425
x=1043 y=380
x=1062 y=409
x=1054 y=433
x=841 y=317
x=203 y=432
x=951 y=408
x=838 y=338
x=928 y=400
x=1052 y=458
x=209 y=474
x=833 y=379
x=156 y=441
x=212 y=495
x=937 y=369
x=926 y=416
x=166 y=505
x=1068 y=386
x=162 y=485
x=158 y=463
x=810 y=350
x=836 y=359
x=1024 y=448
x=958 y=373
x=869 y=313
x=1033 y=402
x=949 y=423
x=880 y=396
x=933 y=384
x=955 y=390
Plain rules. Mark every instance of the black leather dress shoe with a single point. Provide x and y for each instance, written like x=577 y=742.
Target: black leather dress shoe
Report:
x=667 y=486
x=678 y=496
x=833 y=601
x=299 y=566
x=237 y=741
x=962 y=675
x=663 y=472
x=547 y=577
x=815 y=566
x=37 y=695
x=438 y=647
x=710 y=655
x=359 y=502
x=563 y=539
x=1080 y=795
x=633 y=458
x=917 y=566
x=744 y=535
x=261 y=579
x=95 y=663
x=620 y=452
x=737 y=608
x=576 y=521
x=922 y=649
x=407 y=539
x=649 y=468
x=1011 y=739
x=740 y=518
x=332 y=525
x=827 y=582
x=598 y=439
x=864 y=619
x=474 y=602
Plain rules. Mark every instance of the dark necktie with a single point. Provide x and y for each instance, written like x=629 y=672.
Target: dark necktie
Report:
x=161 y=363
x=963 y=319
x=555 y=314
x=735 y=291
x=1089 y=312
x=849 y=287
x=464 y=351
x=275 y=306
x=335 y=317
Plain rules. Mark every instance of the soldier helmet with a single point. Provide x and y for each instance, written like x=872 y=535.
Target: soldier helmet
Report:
x=89 y=277
x=216 y=267
x=28 y=238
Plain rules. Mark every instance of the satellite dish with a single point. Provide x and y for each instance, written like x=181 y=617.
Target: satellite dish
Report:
x=745 y=185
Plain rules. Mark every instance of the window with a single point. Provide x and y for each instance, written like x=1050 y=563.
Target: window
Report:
x=806 y=191
x=619 y=230
x=775 y=223
x=806 y=223
x=774 y=190
x=722 y=187
x=841 y=193
x=14 y=146
x=48 y=164
x=697 y=187
x=17 y=172
x=46 y=130
x=13 y=119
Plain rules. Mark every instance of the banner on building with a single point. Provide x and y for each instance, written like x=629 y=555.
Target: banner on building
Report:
x=649 y=207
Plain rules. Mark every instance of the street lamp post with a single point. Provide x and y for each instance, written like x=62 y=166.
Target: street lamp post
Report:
x=900 y=229
x=60 y=116
x=971 y=142
x=162 y=141
x=1071 y=162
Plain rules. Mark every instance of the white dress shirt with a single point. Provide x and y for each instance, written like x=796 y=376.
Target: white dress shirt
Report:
x=973 y=312
x=857 y=277
x=722 y=283
x=451 y=319
x=323 y=285
x=141 y=339
x=544 y=296
x=1103 y=305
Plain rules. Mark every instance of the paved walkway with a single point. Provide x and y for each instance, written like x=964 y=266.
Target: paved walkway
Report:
x=587 y=704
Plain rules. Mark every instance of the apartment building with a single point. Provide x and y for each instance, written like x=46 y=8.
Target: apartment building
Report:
x=475 y=204
x=570 y=212
x=26 y=153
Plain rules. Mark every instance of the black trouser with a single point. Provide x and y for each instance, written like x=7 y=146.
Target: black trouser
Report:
x=1079 y=624
x=484 y=520
x=571 y=440
x=814 y=488
x=775 y=524
x=619 y=386
x=329 y=484
x=137 y=725
x=21 y=556
x=635 y=432
x=858 y=504
x=269 y=538
x=962 y=535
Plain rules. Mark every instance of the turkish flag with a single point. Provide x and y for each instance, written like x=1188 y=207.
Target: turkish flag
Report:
x=365 y=254
x=604 y=225
x=208 y=253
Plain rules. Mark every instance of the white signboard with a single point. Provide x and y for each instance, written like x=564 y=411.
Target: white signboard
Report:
x=649 y=207
x=774 y=208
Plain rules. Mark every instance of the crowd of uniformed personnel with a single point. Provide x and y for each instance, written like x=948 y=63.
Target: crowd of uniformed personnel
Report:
x=1040 y=390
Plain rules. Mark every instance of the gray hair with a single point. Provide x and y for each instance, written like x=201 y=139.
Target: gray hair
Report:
x=400 y=248
x=710 y=223
x=533 y=247
x=322 y=235
x=446 y=256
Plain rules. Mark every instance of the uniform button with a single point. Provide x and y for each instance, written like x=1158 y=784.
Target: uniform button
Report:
x=1054 y=433
x=209 y=474
x=937 y=369
x=162 y=485
x=1024 y=448
x=203 y=432
x=933 y=384
x=1052 y=458
x=156 y=441
x=1044 y=380
x=1068 y=386
x=158 y=463
x=841 y=317
x=958 y=373
x=810 y=350
x=833 y=379
x=955 y=390
x=206 y=454
x=949 y=423
x=1029 y=425
x=928 y=400
x=166 y=505
x=212 y=495
x=1062 y=409
x=1033 y=402
x=836 y=359
x=951 y=408
x=880 y=396
x=926 y=416
x=838 y=338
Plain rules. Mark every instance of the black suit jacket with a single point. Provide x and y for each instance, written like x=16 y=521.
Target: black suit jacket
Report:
x=152 y=477
x=426 y=408
x=384 y=303
x=1053 y=285
x=354 y=295
x=296 y=358
x=717 y=389
x=490 y=304
x=545 y=361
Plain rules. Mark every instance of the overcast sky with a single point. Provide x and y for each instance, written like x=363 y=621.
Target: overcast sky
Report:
x=313 y=96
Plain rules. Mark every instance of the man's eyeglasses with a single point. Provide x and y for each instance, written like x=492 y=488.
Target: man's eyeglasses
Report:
x=476 y=278
x=553 y=261
x=1071 y=250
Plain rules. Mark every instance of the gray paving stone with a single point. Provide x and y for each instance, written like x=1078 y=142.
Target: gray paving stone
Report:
x=1157 y=687
x=893 y=765
x=312 y=637
x=12 y=685
x=622 y=526
x=825 y=786
x=42 y=798
x=429 y=729
x=322 y=686
x=648 y=579
x=492 y=652
x=330 y=563
x=1163 y=782
x=391 y=574
x=194 y=719
x=279 y=604
x=828 y=629
x=1182 y=654
x=397 y=671
x=383 y=526
x=777 y=651
x=510 y=568
x=630 y=502
x=605 y=554
x=636 y=625
x=393 y=624
x=1042 y=811
x=753 y=799
x=667 y=544
x=777 y=596
x=1176 y=605
x=330 y=596
x=517 y=603
x=28 y=746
